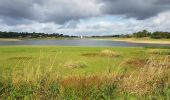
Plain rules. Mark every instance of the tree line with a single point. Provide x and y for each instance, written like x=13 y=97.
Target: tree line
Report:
x=154 y=35
x=31 y=35
x=140 y=34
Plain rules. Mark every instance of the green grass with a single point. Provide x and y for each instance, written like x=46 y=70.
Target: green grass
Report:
x=12 y=57
x=73 y=73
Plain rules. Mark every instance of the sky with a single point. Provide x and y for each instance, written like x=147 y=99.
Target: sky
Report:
x=84 y=17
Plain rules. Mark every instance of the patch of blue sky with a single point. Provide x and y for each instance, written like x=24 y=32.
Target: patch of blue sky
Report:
x=107 y=18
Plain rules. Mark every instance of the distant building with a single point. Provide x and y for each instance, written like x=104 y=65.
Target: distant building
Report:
x=81 y=37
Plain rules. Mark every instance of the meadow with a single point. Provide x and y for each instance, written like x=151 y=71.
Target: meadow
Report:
x=84 y=73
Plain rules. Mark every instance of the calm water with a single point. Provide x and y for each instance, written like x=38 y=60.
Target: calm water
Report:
x=79 y=42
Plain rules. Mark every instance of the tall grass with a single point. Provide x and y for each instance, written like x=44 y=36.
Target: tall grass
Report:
x=34 y=81
x=151 y=81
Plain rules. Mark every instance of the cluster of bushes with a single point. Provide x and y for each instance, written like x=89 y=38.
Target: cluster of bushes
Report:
x=154 y=35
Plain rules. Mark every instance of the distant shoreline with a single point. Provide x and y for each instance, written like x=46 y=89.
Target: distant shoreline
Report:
x=149 y=42
x=9 y=39
x=134 y=40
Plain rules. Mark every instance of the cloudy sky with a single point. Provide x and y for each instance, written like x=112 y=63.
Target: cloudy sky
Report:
x=84 y=17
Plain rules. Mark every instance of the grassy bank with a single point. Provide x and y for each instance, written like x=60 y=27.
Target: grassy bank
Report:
x=30 y=72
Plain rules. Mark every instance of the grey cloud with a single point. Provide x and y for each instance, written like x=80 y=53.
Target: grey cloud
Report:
x=139 y=9
x=164 y=2
x=17 y=9
x=64 y=11
x=58 y=11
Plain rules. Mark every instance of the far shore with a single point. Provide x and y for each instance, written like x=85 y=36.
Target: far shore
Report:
x=146 y=41
x=9 y=39
x=140 y=40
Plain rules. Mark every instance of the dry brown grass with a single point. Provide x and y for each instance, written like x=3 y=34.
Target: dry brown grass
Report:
x=74 y=64
x=159 y=51
x=20 y=58
x=150 y=78
x=103 y=53
x=90 y=54
x=87 y=81
x=109 y=53
x=137 y=62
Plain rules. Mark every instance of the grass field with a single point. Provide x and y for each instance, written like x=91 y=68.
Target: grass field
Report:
x=88 y=73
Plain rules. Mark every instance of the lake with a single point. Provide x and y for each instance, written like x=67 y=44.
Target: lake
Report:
x=80 y=42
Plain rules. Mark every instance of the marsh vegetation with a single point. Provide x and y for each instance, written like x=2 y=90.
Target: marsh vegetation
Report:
x=88 y=73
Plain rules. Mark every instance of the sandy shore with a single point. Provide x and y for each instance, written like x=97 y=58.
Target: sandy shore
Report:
x=6 y=39
x=144 y=41
x=132 y=40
